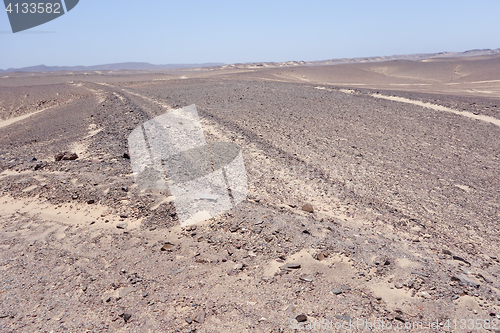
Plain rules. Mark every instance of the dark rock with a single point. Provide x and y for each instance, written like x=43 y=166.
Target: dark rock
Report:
x=123 y=216
x=58 y=157
x=127 y=156
x=301 y=318
x=336 y=291
x=126 y=316
x=122 y=225
x=455 y=297
x=125 y=188
x=145 y=294
x=65 y=156
x=90 y=202
x=308 y=208
x=461 y=259
x=189 y=321
x=70 y=156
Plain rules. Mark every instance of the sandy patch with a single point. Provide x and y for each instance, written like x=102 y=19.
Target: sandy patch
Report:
x=436 y=107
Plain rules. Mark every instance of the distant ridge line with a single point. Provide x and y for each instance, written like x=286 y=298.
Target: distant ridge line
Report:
x=108 y=67
x=148 y=66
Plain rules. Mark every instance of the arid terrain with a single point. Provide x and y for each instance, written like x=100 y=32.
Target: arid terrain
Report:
x=374 y=198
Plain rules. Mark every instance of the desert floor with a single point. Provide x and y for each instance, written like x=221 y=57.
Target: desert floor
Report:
x=399 y=160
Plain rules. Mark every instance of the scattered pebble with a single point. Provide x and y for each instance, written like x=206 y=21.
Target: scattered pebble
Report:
x=336 y=291
x=199 y=316
x=301 y=318
x=308 y=208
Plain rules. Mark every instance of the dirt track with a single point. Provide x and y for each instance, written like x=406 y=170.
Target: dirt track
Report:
x=406 y=208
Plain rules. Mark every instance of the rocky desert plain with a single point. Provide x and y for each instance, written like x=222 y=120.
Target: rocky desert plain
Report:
x=373 y=200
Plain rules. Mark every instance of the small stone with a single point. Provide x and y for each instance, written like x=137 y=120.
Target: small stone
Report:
x=238 y=267
x=84 y=288
x=70 y=156
x=308 y=208
x=58 y=156
x=199 y=316
x=90 y=202
x=74 y=197
x=306 y=279
x=108 y=299
x=425 y=294
x=466 y=280
x=234 y=228
x=455 y=297
x=122 y=225
x=125 y=188
x=123 y=216
x=320 y=256
x=127 y=156
x=398 y=285
x=145 y=294
x=336 y=291
x=461 y=259
x=301 y=318
x=167 y=247
x=189 y=321
x=290 y=266
x=126 y=316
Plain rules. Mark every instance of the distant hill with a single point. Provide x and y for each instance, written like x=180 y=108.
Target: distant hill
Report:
x=148 y=66
x=107 y=67
x=413 y=57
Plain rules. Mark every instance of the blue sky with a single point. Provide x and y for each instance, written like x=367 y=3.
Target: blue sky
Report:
x=167 y=32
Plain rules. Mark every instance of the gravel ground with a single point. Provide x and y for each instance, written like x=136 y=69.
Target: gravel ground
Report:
x=404 y=228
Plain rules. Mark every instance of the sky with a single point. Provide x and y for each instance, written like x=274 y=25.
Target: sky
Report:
x=186 y=32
